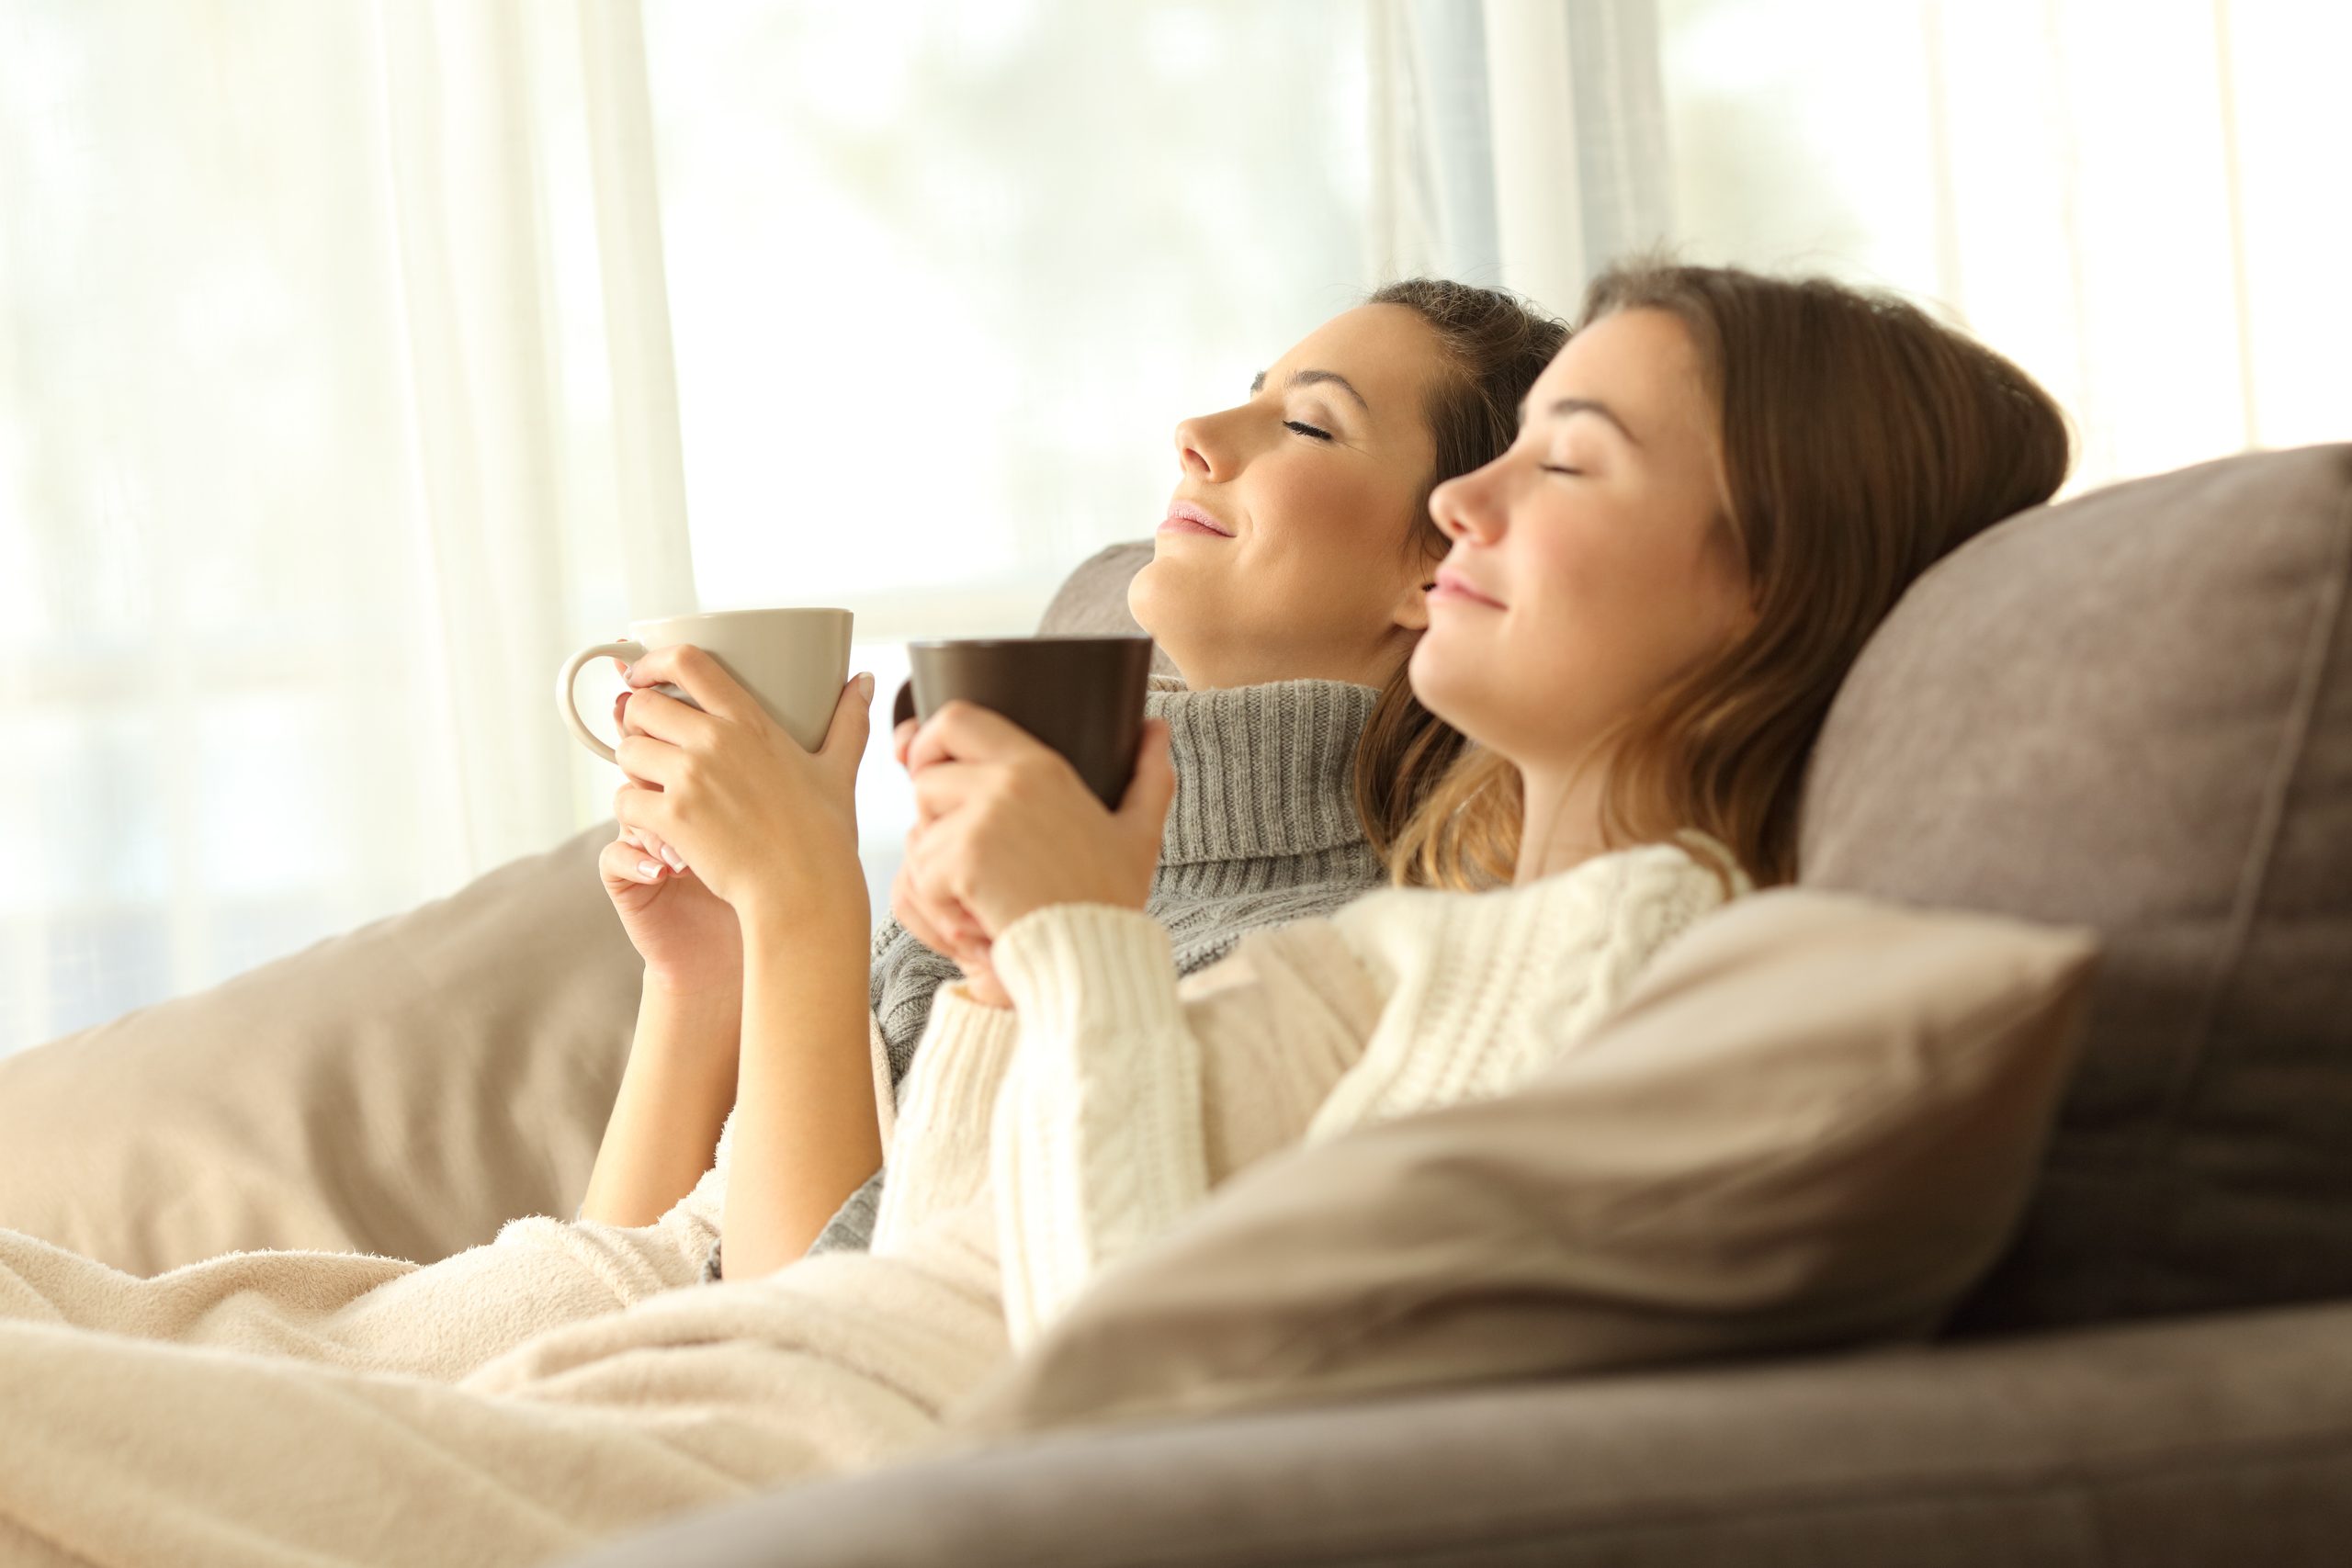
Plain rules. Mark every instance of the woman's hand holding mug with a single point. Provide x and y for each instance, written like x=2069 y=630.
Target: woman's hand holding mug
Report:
x=740 y=735
x=1004 y=826
x=768 y=827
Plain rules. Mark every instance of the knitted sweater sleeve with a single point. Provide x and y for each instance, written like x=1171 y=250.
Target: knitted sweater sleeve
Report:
x=938 y=1155
x=1129 y=1099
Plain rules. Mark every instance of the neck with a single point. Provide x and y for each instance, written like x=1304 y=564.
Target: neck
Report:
x=1222 y=666
x=1559 y=823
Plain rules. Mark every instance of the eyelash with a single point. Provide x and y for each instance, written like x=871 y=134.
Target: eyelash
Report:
x=1556 y=468
x=1307 y=429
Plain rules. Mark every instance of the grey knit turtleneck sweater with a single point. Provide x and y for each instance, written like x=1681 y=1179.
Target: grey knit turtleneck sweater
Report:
x=1263 y=830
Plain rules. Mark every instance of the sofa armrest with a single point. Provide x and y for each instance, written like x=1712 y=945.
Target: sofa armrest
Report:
x=2186 y=1442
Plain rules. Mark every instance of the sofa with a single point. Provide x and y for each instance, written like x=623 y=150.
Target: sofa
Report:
x=2130 y=711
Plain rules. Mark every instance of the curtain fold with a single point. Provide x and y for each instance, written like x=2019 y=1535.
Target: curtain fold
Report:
x=1516 y=142
x=335 y=408
x=2135 y=201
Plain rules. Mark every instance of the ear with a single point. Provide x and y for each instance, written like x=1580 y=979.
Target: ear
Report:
x=1412 y=612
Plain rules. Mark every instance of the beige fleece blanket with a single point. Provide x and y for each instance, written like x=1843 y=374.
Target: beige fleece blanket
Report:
x=506 y=1405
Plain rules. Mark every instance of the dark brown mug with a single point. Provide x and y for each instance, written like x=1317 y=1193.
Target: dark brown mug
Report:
x=1081 y=696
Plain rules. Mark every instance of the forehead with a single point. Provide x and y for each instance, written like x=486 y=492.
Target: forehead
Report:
x=1380 y=348
x=1643 y=364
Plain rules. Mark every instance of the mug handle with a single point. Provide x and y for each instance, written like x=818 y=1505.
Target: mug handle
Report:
x=566 y=704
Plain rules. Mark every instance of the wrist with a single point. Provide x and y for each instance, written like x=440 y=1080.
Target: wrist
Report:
x=841 y=922
x=694 y=994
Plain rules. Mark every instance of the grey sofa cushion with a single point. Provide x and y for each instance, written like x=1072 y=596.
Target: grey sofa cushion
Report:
x=2134 y=711
x=2178 y=1445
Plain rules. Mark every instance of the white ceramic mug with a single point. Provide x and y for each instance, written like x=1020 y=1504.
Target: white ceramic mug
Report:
x=793 y=660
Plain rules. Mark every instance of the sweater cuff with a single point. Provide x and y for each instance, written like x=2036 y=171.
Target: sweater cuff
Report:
x=1079 y=971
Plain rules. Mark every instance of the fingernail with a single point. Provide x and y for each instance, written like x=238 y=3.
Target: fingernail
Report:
x=865 y=682
x=677 y=861
x=648 y=870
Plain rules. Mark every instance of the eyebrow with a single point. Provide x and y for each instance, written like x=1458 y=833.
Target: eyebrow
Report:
x=1315 y=377
x=1564 y=406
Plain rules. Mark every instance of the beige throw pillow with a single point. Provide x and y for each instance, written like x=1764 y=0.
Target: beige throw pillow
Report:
x=403 y=1088
x=1814 y=1121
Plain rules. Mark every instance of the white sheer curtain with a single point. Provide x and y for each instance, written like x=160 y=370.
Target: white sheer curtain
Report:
x=336 y=398
x=1520 y=142
x=2136 y=200
x=334 y=408
x=2139 y=200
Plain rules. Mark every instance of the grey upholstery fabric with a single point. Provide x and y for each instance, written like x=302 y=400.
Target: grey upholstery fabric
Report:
x=2179 y=1445
x=2134 y=711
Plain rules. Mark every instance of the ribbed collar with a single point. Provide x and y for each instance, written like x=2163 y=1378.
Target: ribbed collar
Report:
x=1260 y=770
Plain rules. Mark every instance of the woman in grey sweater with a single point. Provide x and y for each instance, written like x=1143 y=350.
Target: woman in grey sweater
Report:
x=1298 y=748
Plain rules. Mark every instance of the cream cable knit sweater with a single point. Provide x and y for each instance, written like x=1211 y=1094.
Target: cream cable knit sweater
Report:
x=1110 y=1100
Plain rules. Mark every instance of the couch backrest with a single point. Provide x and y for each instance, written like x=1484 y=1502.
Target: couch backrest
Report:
x=2134 y=710
x=1092 y=601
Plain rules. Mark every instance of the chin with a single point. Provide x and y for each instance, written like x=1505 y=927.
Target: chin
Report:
x=1448 y=685
x=1157 y=605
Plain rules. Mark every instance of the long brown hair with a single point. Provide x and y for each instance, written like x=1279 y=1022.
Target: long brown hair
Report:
x=1862 y=440
x=1495 y=346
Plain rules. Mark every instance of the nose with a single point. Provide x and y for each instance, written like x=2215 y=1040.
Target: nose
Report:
x=1467 y=507
x=1202 y=452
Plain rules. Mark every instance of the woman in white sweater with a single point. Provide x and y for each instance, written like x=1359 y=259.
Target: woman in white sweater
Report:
x=1719 y=487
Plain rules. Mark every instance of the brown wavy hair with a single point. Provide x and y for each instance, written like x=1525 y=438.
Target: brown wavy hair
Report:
x=1862 y=440
x=1497 y=344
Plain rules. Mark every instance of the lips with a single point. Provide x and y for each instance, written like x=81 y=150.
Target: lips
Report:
x=1184 y=517
x=1452 y=587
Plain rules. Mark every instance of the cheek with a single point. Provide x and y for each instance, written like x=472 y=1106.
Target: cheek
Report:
x=1622 y=615
x=1310 y=516
x=1325 y=545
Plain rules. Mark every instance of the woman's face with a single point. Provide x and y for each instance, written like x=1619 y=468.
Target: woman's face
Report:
x=1587 y=570
x=1290 y=549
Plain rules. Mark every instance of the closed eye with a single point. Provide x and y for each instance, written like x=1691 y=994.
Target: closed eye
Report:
x=1557 y=468
x=1306 y=429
